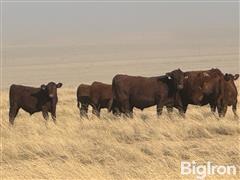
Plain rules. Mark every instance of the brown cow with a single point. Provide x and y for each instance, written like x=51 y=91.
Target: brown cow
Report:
x=143 y=92
x=83 y=99
x=202 y=88
x=32 y=100
x=98 y=95
x=101 y=95
x=230 y=94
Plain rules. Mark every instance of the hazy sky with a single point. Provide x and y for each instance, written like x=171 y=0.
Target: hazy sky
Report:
x=34 y=23
x=84 y=42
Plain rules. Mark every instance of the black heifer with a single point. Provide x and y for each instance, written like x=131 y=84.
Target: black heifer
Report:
x=33 y=100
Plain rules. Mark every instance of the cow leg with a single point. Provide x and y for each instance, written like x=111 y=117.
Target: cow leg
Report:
x=84 y=110
x=125 y=107
x=182 y=111
x=116 y=112
x=83 y=113
x=45 y=113
x=96 y=111
x=115 y=108
x=54 y=118
x=221 y=107
x=213 y=107
x=234 y=109
x=159 y=109
x=131 y=112
x=169 y=109
x=53 y=114
x=13 y=113
x=222 y=111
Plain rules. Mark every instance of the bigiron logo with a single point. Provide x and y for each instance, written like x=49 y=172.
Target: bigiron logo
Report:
x=201 y=171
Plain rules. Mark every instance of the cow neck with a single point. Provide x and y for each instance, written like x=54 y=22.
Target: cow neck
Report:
x=172 y=89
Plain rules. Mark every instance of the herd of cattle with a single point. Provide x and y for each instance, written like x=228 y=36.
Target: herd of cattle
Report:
x=175 y=89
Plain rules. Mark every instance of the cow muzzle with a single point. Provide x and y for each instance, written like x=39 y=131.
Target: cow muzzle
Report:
x=180 y=87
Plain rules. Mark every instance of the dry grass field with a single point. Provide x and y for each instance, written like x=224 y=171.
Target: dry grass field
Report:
x=144 y=147
x=81 y=41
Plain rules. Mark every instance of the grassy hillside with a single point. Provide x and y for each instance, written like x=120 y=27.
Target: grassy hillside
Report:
x=114 y=148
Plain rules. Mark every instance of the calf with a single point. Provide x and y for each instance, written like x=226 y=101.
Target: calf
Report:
x=33 y=100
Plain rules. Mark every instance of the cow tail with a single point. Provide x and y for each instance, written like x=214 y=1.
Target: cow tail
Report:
x=77 y=101
x=78 y=98
x=110 y=105
x=11 y=96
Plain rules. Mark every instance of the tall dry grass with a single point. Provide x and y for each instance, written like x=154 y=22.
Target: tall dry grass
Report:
x=114 y=148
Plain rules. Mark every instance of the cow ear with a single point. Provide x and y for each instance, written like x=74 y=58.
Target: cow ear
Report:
x=59 y=85
x=236 y=76
x=43 y=87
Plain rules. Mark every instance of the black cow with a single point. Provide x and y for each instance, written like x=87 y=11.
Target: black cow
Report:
x=32 y=100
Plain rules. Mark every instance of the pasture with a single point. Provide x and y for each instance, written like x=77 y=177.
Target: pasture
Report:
x=145 y=147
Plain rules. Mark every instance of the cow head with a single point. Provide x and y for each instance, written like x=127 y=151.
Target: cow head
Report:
x=178 y=78
x=51 y=89
x=231 y=77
